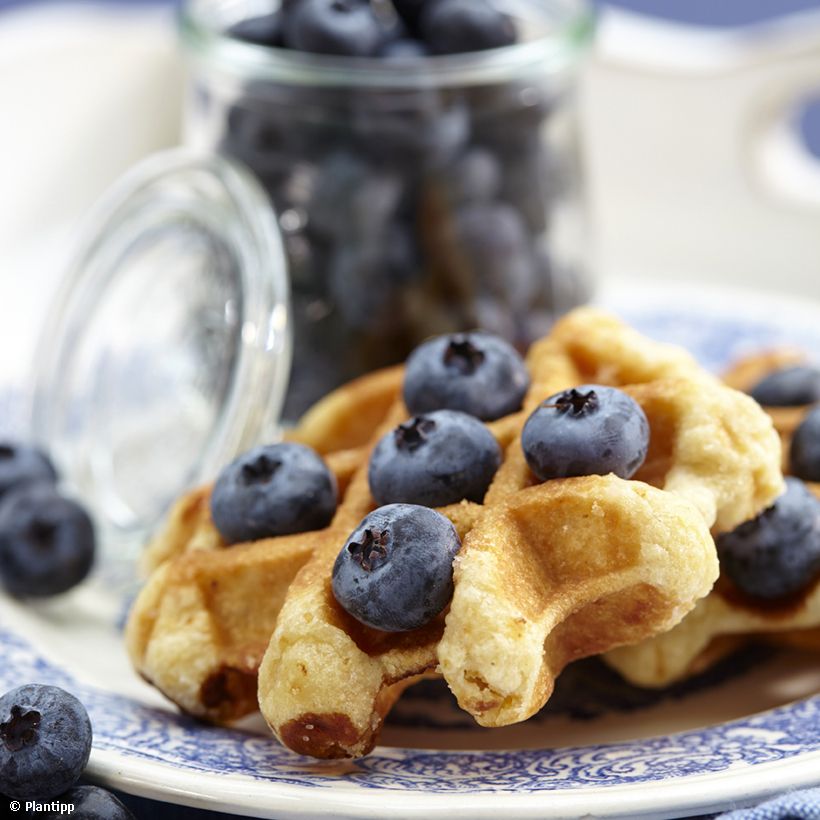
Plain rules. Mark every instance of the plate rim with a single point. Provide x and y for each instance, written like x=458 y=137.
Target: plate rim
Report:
x=749 y=784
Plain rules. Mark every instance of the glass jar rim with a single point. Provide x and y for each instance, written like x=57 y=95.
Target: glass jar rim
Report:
x=571 y=31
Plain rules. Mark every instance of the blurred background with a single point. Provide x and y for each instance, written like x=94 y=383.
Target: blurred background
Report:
x=700 y=124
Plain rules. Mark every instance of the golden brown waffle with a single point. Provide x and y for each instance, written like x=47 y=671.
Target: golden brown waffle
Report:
x=547 y=573
x=200 y=627
x=703 y=636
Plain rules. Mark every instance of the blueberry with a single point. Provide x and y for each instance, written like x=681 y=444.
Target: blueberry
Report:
x=474 y=177
x=395 y=573
x=342 y=27
x=403 y=48
x=275 y=127
x=788 y=387
x=476 y=373
x=21 y=464
x=91 y=803
x=367 y=277
x=337 y=180
x=420 y=126
x=353 y=200
x=508 y=117
x=47 y=542
x=493 y=241
x=455 y=26
x=776 y=554
x=434 y=460
x=265 y=30
x=45 y=741
x=588 y=430
x=805 y=448
x=273 y=490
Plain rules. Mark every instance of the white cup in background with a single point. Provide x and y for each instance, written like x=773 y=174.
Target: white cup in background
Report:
x=695 y=171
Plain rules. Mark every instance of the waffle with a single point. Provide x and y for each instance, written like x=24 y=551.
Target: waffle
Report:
x=548 y=573
x=204 y=620
x=727 y=617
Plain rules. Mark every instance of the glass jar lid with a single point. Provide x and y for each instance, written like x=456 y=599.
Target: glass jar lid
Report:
x=167 y=350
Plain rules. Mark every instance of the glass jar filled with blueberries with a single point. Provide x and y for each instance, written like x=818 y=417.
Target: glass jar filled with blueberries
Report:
x=421 y=156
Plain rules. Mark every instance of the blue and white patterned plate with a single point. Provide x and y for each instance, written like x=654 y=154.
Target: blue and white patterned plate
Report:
x=748 y=728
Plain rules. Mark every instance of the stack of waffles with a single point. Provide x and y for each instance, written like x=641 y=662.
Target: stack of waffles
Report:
x=548 y=572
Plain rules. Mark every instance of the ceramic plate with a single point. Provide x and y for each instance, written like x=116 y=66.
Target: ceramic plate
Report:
x=748 y=728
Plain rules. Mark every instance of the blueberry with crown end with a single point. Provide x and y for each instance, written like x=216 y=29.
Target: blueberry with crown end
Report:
x=395 y=573
x=588 y=430
x=47 y=542
x=45 y=741
x=457 y=26
x=476 y=373
x=271 y=490
x=91 y=803
x=22 y=464
x=776 y=554
x=340 y=27
x=436 y=459
x=788 y=387
x=804 y=453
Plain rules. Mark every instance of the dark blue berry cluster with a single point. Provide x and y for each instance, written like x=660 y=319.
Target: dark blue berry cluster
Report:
x=409 y=207
x=401 y=30
x=395 y=572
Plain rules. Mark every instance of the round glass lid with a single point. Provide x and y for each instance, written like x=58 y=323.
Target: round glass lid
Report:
x=167 y=350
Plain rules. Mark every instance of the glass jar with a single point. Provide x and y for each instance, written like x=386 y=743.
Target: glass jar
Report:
x=166 y=351
x=414 y=198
